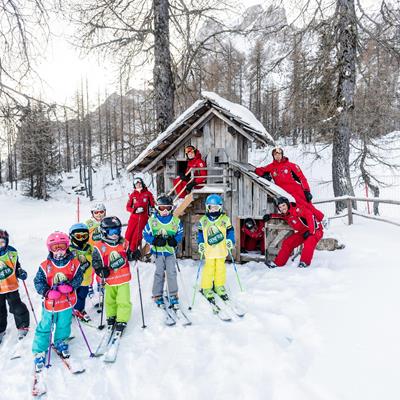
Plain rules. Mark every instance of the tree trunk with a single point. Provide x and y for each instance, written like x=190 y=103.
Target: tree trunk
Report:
x=346 y=58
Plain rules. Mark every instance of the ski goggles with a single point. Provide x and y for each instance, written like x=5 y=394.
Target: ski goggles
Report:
x=213 y=207
x=164 y=208
x=81 y=235
x=113 y=231
x=3 y=242
x=99 y=212
x=58 y=247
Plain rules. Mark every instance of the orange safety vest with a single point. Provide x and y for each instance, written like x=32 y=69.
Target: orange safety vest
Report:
x=116 y=259
x=55 y=275
x=8 y=279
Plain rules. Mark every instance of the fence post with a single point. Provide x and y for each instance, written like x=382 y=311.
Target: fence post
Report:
x=350 y=211
x=77 y=209
x=366 y=195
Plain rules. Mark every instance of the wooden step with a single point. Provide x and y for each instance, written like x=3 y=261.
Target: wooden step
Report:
x=180 y=210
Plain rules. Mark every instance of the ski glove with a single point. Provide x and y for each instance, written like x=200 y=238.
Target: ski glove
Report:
x=202 y=249
x=306 y=234
x=139 y=210
x=53 y=294
x=308 y=195
x=267 y=176
x=172 y=241
x=190 y=186
x=159 y=241
x=184 y=177
x=266 y=217
x=21 y=274
x=65 y=288
x=229 y=244
x=103 y=272
x=85 y=265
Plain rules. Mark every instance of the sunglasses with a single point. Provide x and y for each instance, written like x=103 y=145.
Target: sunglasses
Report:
x=81 y=235
x=113 y=231
x=58 y=247
x=277 y=152
x=188 y=151
x=100 y=212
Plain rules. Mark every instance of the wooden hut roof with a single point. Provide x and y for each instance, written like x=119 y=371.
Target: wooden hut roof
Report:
x=235 y=115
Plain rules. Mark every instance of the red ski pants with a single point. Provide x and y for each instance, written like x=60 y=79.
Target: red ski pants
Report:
x=295 y=240
x=134 y=232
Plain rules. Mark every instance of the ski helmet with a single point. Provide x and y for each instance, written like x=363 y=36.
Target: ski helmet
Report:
x=214 y=200
x=164 y=202
x=249 y=223
x=57 y=238
x=136 y=180
x=4 y=235
x=110 y=226
x=98 y=207
x=79 y=234
x=277 y=149
x=282 y=200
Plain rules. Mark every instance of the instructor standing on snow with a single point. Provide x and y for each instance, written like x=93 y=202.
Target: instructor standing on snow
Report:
x=289 y=177
x=139 y=203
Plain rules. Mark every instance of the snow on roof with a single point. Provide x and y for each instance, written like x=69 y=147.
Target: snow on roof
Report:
x=240 y=112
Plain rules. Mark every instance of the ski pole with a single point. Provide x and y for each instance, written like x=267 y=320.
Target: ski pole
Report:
x=140 y=295
x=80 y=328
x=30 y=302
x=52 y=329
x=182 y=284
x=237 y=274
x=101 y=326
x=197 y=280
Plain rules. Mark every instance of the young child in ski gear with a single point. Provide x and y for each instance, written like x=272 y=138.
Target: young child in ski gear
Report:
x=82 y=250
x=307 y=231
x=289 y=177
x=164 y=232
x=110 y=262
x=194 y=160
x=216 y=238
x=10 y=272
x=253 y=235
x=139 y=204
x=57 y=279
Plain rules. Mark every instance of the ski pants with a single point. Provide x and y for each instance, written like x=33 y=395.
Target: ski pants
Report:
x=118 y=302
x=214 y=273
x=134 y=231
x=81 y=294
x=62 y=321
x=165 y=265
x=295 y=240
x=17 y=308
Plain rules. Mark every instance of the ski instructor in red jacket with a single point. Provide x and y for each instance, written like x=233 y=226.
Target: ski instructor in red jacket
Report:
x=289 y=177
x=139 y=203
x=183 y=185
x=307 y=231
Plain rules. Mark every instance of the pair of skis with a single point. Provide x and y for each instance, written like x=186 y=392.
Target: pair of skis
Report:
x=174 y=314
x=221 y=309
x=109 y=345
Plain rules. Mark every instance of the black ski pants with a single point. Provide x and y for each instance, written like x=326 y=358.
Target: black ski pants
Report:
x=17 y=307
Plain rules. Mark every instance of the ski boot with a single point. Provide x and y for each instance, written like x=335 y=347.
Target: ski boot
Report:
x=221 y=292
x=159 y=301
x=82 y=315
x=120 y=327
x=39 y=361
x=2 y=336
x=302 y=264
x=208 y=294
x=62 y=348
x=270 y=264
x=111 y=321
x=22 y=332
x=173 y=300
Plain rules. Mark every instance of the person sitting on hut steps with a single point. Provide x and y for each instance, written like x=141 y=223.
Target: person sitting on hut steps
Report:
x=253 y=235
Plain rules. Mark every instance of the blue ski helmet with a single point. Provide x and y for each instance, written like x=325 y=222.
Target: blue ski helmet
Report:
x=214 y=200
x=79 y=234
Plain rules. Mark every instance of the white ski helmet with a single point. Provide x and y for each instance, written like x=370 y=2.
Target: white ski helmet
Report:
x=98 y=207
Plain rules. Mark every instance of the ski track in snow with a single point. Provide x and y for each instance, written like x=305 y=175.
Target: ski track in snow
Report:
x=326 y=332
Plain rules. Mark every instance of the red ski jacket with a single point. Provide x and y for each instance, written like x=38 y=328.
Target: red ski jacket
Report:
x=143 y=199
x=197 y=162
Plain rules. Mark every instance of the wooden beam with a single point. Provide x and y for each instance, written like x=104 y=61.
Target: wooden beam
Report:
x=181 y=139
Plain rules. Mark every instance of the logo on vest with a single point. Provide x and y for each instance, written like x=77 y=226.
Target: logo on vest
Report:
x=59 y=277
x=214 y=236
x=116 y=260
x=5 y=271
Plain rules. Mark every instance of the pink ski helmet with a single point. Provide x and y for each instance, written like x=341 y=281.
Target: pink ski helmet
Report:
x=57 y=238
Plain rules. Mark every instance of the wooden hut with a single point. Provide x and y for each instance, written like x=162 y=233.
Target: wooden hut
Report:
x=223 y=132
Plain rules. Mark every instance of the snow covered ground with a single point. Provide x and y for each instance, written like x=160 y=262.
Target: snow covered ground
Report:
x=328 y=332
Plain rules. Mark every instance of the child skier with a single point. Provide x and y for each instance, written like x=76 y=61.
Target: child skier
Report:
x=110 y=262
x=10 y=272
x=164 y=232
x=57 y=279
x=216 y=237
x=82 y=250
